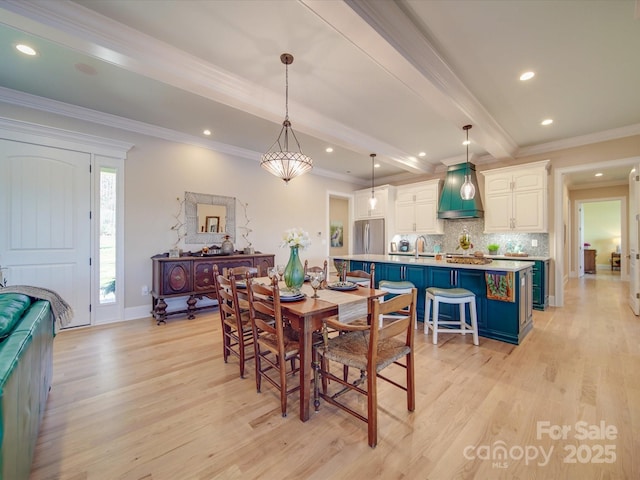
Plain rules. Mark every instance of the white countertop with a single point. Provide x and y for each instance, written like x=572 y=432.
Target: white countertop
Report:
x=495 y=257
x=426 y=260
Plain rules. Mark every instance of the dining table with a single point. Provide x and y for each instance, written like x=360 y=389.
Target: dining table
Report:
x=305 y=316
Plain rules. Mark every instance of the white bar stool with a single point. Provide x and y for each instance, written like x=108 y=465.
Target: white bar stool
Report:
x=395 y=288
x=457 y=296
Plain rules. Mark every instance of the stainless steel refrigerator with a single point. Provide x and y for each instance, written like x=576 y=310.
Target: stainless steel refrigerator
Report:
x=368 y=236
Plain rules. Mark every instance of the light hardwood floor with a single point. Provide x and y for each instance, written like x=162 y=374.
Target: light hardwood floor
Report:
x=138 y=401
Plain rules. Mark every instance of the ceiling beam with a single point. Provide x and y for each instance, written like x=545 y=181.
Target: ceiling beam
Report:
x=387 y=32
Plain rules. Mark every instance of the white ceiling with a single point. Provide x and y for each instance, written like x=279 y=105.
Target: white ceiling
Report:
x=394 y=78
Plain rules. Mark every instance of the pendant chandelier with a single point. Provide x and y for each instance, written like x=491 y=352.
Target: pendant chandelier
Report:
x=373 y=200
x=468 y=190
x=279 y=161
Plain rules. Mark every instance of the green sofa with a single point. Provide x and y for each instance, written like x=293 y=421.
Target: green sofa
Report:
x=26 y=368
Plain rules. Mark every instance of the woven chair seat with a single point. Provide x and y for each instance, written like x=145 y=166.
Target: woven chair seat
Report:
x=351 y=349
x=244 y=318
x=270 y=341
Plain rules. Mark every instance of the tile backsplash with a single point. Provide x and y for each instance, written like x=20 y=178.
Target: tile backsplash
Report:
x=514 y=242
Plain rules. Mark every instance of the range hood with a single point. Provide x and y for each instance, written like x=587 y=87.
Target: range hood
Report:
x=451 y=203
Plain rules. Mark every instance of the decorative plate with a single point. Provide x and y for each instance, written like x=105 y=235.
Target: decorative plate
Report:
x=286 y=296
x=297 y=298
x=344 y=286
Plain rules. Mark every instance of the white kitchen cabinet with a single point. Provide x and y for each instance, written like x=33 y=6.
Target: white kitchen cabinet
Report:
x=384 y=194
x=417 y=208
x=515 y=198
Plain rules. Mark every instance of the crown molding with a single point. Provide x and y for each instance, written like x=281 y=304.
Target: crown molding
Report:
x=597 y=137
x=594 y=185
x=26 y=100
x=26 y=131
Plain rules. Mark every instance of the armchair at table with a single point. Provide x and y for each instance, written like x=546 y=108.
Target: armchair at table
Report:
x=370 y=349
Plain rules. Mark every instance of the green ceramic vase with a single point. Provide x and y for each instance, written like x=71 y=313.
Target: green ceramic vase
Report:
x=294 y=271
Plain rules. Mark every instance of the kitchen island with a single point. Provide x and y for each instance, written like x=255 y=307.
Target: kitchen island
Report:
x=541 y=268
x=503 y=288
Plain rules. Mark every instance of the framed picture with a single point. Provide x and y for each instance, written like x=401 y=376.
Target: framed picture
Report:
x=213 y=224
x=335 y=230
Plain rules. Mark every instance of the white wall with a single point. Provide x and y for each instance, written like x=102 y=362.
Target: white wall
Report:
x=158 y=171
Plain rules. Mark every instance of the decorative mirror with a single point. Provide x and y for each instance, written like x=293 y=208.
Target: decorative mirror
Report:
x=209 y=218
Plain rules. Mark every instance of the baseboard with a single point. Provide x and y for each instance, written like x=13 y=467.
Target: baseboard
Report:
x=133 y=313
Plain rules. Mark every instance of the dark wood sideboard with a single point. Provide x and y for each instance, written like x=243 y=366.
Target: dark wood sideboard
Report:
x=192 y=276
x=589 y=260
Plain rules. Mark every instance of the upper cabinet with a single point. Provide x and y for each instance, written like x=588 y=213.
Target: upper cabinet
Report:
x=515 y=198
x=417 y=208
x=384 y=196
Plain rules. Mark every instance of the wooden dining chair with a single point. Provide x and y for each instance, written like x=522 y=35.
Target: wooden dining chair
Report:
x=324 y=269
x=241 y=273
x=237 y=334
x=370 y=349
x=366 y=279
x=275 y=344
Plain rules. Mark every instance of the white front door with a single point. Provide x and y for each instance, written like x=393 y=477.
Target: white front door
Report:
x=45 y=200
x=634 y=241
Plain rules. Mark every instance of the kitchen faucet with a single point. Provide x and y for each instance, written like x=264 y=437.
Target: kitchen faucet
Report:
x=424 y=242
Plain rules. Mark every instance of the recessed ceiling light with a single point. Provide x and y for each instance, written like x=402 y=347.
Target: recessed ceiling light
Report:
x=377 y=165
x=599 y=174
x=422 y=154
x=26 y=49
x=328 y=150
x=207 y=132
x=546 y=121
x=527 y=76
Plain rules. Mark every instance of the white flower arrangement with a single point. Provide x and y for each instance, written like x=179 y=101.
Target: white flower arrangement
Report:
x=295 y=237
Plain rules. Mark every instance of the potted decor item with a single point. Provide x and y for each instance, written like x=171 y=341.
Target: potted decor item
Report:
x=295 y=239
x=227 y=245
x=493 y=248
x=464 y=241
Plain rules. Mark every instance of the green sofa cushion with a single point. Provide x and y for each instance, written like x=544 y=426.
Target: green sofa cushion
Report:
x=12 y=307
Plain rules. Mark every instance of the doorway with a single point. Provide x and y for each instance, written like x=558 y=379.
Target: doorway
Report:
x=601 y=223
x=339 y=222
x=563 y=236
